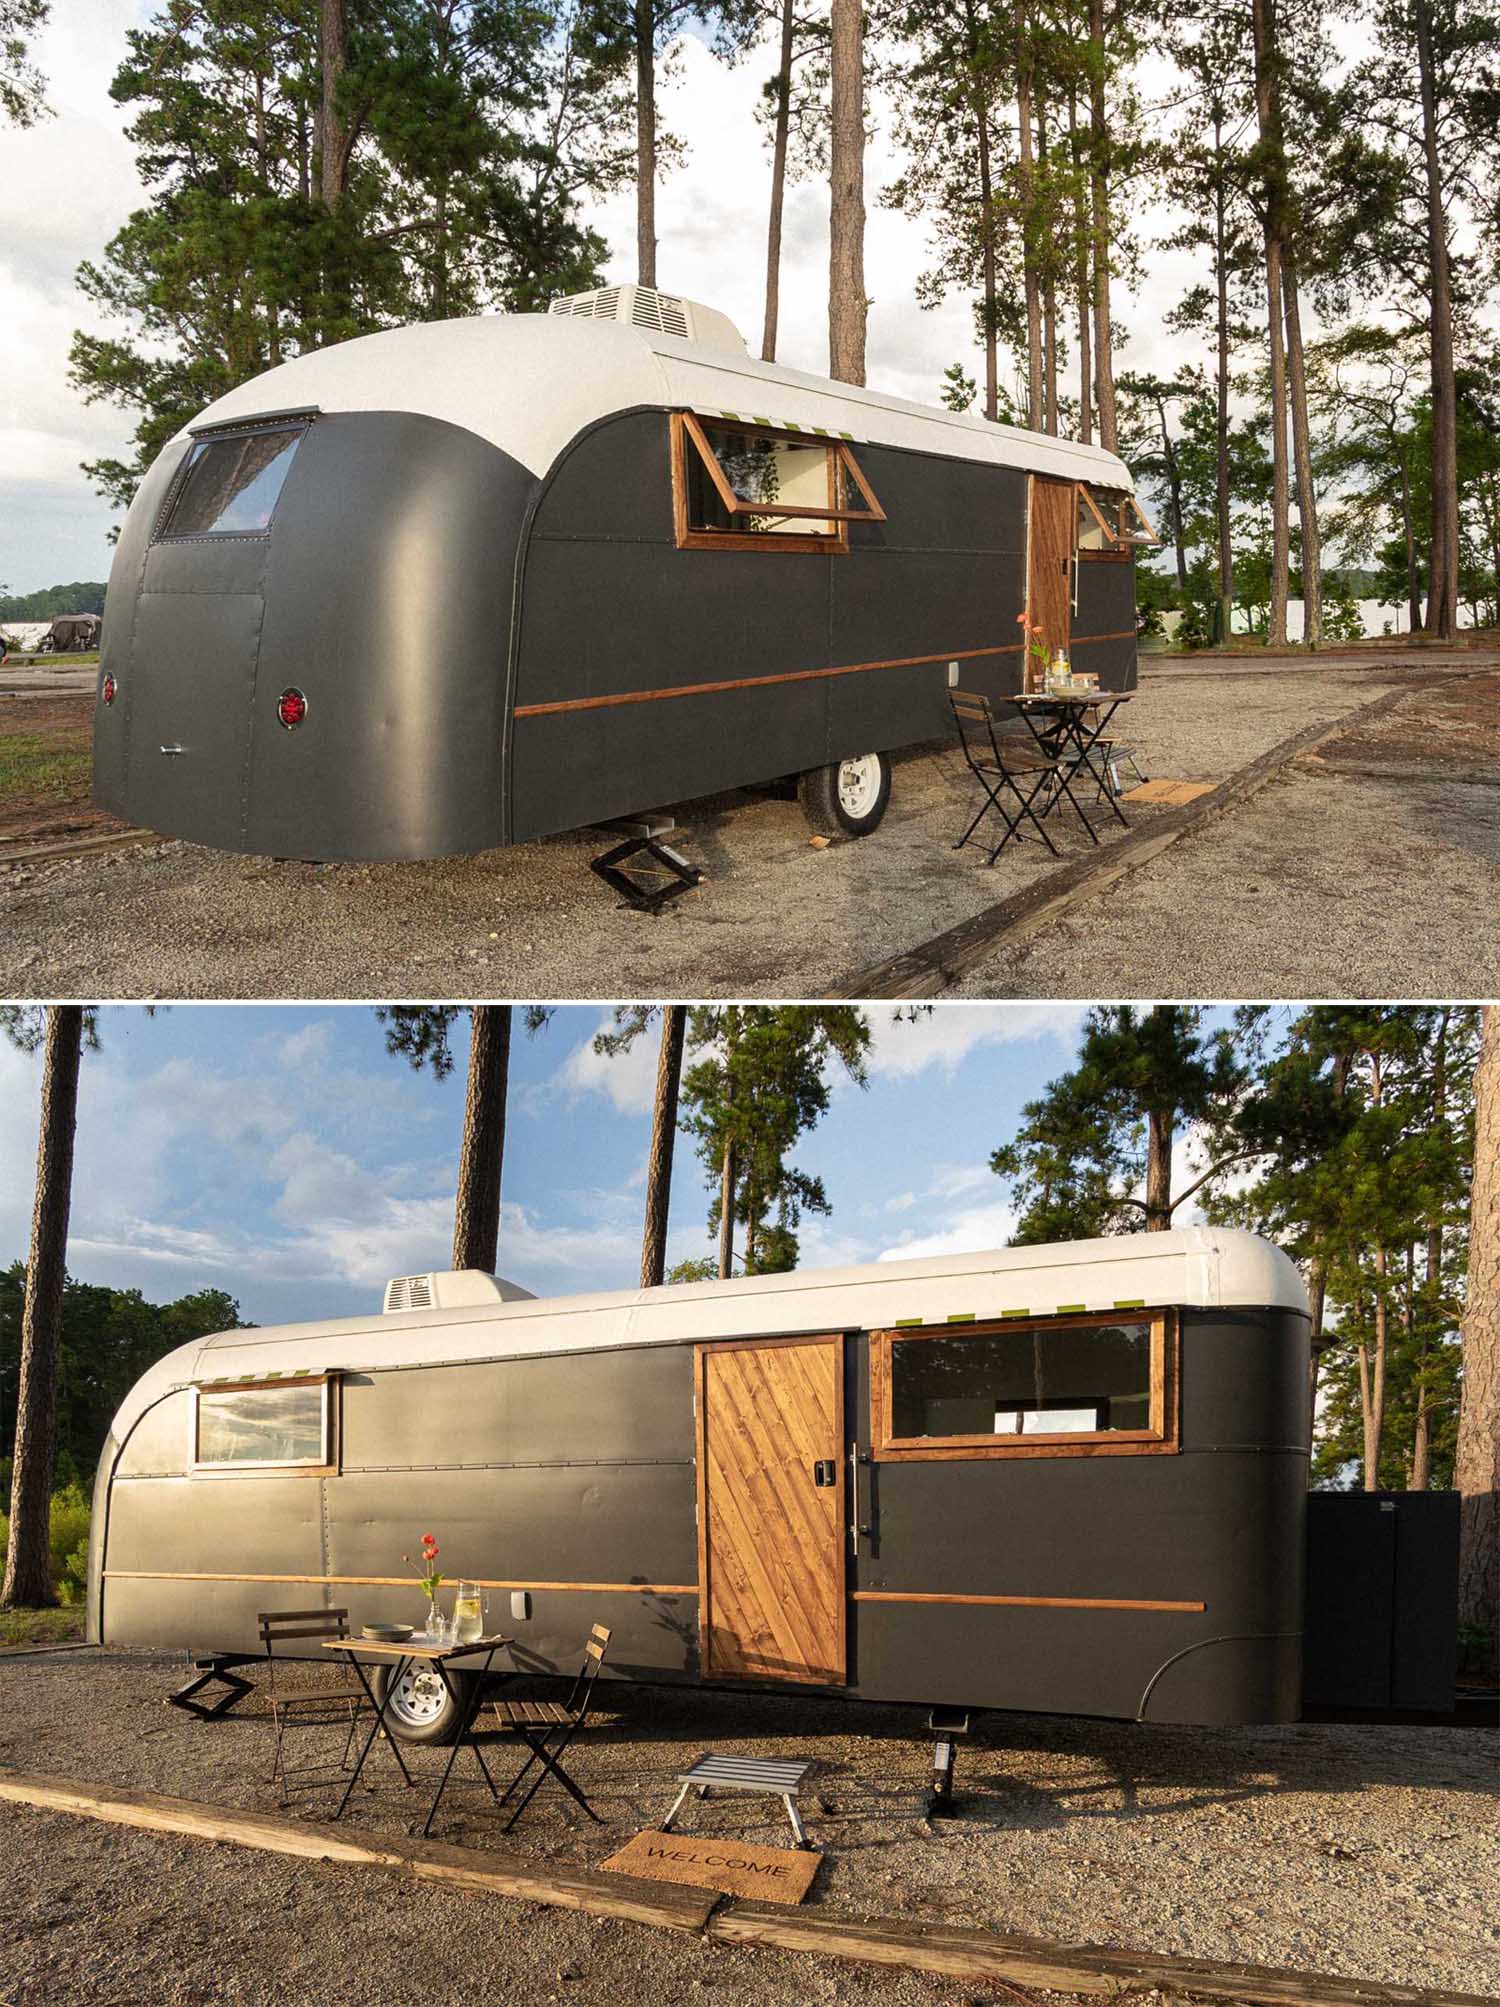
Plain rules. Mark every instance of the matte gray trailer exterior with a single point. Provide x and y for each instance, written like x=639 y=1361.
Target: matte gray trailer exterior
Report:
x=472 y=576
x=566 y=1456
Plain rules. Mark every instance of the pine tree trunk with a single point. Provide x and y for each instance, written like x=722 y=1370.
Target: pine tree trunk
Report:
x=726 y=1212
x=1442 y=569
x=1307 y=500
x=846 y=234
x=663 y=1140
x=645 y=142
x=1049 y=294
x=1028 y=225
x=1159 y=1129
x=1174 y=493
x=1081 y=279
x=1372 y=1379
x=778 y=186
x=1223 y=624
x=1476 y=1474
x=1317 y=1299
x=28 y=1575
x=1263 y=22
x=333 y=140
x=1104 y=366
x=987 y=224
x=1409 y=538
x=476 y=1214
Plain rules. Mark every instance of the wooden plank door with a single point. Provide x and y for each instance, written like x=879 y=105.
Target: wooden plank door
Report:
x=1050 y=557
x=771 y=1510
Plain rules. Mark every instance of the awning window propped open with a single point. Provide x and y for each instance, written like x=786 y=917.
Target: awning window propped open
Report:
x=754 y=481
x=1109 y=519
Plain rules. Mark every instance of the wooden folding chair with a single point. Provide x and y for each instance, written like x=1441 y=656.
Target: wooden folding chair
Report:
x=538 y=1722
x=278 y=1627
x=1002 y=765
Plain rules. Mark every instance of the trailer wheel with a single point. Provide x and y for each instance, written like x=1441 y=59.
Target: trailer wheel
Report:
x=421 y=1709
x=848 y=798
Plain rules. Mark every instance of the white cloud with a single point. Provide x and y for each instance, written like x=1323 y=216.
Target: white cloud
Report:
x=974 y=1230
x=945 y=1036
x=627 y=1078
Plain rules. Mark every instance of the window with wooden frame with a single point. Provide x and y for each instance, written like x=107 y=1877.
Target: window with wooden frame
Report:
x=261 y=1425
x=748 y=487
x=1111 y=523
x=1055 y=1386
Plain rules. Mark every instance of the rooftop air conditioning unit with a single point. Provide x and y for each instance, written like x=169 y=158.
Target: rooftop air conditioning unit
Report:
x=660 y=313
x=451 y=1289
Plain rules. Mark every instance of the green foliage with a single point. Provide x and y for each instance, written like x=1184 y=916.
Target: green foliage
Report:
x=45 y=604
x=67 y=1542
x=1078 y=1166
x=701 y=1268
x=109 y=1338
x=761 y=1077
x=958 y=388
x=474 y=131
x=22 y=86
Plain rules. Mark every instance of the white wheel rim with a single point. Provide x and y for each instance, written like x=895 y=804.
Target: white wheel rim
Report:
x=419 y=1697
x=859 y=786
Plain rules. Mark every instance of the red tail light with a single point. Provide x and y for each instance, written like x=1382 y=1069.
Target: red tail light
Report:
x=108 y=688
x=291 y=708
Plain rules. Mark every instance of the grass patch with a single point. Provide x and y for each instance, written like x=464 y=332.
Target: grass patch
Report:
x=83 y=659
x=30 y=766
x=41 y=1627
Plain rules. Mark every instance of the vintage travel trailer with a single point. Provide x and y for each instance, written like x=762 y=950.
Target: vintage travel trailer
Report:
x=1070 y=1479
x=469 y=582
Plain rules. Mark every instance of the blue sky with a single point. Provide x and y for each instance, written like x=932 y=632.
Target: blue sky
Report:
x=280 y=1154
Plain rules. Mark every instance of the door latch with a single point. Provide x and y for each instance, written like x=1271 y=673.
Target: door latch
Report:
x=825 y=1471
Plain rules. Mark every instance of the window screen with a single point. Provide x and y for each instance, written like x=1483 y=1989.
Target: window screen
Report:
x=263 y=1425
x=1023 y=1382
x=231 y=485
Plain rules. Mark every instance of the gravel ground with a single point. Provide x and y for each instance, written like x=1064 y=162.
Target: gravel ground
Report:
x=1368 y=1851
x=777 y=917
x=1327 y=884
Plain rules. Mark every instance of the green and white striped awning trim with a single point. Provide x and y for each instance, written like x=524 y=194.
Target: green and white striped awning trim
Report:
x=241 y=1379
x=786 y=425
x=1020 y=1310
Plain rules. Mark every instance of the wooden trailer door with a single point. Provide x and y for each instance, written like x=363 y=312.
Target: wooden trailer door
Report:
x=1050 y=557
x=771 y=1510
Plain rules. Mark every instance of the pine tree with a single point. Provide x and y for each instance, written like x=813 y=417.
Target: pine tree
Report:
x=22 y=86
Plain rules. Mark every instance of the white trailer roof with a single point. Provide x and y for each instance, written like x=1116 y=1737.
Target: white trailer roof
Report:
x=532 y=382
x=1191 y=1267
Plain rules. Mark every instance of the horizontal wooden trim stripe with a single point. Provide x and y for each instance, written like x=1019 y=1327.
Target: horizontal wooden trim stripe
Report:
x=762 y=682
x=400 y=1582
x=1025 y=1602
x=1083 y=640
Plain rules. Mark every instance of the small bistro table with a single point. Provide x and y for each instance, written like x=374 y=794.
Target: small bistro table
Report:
x=439 y=1657
x=1068 y=725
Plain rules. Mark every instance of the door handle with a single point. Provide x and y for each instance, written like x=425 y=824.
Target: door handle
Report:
x=825 y=1471
x=174 y=749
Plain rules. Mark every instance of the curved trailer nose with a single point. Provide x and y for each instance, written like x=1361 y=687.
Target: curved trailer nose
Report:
x=379 y=593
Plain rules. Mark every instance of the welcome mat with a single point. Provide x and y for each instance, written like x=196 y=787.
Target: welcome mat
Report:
x=1170 y=793
x=774 y=1874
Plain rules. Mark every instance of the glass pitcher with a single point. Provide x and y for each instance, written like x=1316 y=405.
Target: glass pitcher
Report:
x=468 y=1613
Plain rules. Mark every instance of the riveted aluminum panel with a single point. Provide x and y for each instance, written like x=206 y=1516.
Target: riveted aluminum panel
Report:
x=160 y=1443
x=608 y=1404
x=216 y=1525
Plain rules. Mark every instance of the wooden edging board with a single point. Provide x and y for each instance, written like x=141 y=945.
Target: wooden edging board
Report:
x=956 y=1950
x=79 y=846
x=927 y=970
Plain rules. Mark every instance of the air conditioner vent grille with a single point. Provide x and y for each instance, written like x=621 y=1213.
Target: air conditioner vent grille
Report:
x=659 y=312
x=603 y=305
x=409 y=1292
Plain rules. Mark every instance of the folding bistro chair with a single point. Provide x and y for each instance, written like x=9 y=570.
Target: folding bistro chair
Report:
x=318 y=1708
x=1002 y=765
x=543 y=1722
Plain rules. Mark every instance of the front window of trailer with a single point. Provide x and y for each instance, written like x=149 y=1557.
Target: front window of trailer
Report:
x=747 y=483
x=263 y=1425
x=1021 y=1386
x=230 y=485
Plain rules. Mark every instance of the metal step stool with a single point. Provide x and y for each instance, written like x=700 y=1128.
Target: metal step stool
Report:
x=746 y=1773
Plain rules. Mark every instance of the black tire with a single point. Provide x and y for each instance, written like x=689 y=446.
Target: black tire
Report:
x=423 y=1711
x=848 y=798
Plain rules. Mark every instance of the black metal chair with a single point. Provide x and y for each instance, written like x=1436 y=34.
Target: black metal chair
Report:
x=543 y=1722
x=1005 y=765
x=319 y=1707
